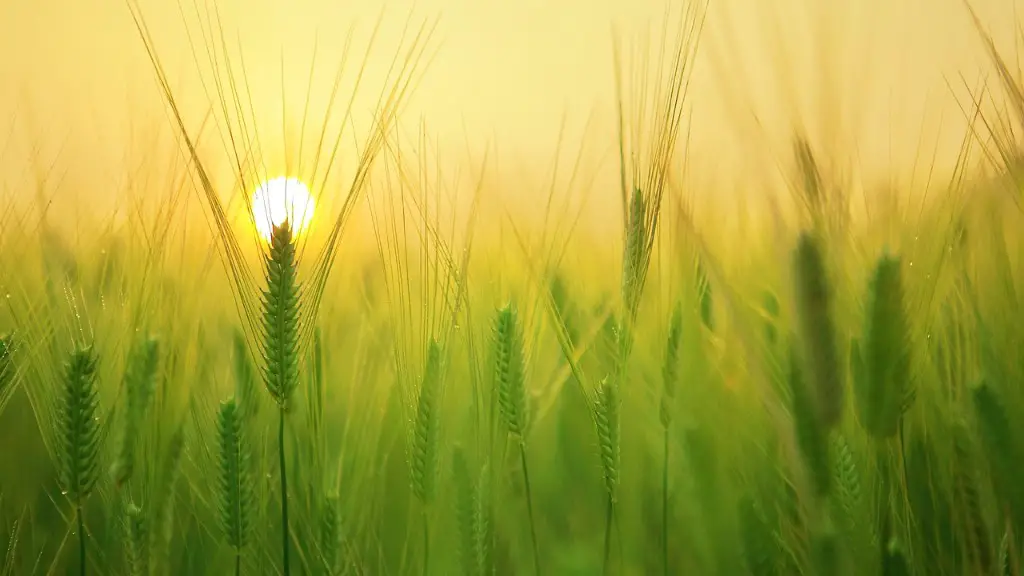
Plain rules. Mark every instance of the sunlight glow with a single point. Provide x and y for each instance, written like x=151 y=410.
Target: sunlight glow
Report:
x=280 y=199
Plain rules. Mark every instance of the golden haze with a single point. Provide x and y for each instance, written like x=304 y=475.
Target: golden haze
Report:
x=868 y=79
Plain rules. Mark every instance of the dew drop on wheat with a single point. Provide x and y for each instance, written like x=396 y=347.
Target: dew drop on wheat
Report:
x=63 y=492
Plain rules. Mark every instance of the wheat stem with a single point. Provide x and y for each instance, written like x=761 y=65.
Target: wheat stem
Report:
x=608 y=519
x=664 y=502
x=426 y=541
x=284 y=492
x=529 y=509
x=281 y=319
x=81 y=540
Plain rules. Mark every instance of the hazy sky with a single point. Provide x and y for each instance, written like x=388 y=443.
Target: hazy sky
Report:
x=76 y=82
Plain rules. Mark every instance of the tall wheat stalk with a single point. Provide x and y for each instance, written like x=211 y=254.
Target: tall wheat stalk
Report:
x=513 y=402
x=426 y=440
x=281 y=309
x=669 y=377
x=236 y=486
x=79 y=440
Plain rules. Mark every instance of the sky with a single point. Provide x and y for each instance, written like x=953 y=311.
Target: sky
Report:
x=874 y=83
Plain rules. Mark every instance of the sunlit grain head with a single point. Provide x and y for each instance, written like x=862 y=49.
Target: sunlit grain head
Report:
x=280 y=199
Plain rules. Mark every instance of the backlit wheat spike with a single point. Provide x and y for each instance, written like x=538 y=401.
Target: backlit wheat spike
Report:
x=235 y=486
x=634 y=251
x=426 y=428
x=509 y=371
x=670 y=368
x=607 y=421
x=281 y=318
x=817 y=333
x=136 y=541
x=281 y=328
x=78 y=423
x=884 y=367
x=140 y=383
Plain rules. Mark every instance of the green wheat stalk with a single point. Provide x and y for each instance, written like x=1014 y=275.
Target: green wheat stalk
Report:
x=817 y=331
x=425 y=441
x=1001 y=446
x=140 y=383
x=136 y=541
x=470 y=519
x=810 y=436
x=330 y=534
x=606 y=416
x=818 y=394
x=884 y=360
x=634 y=252
x=236 y=485
x=811 y=439
x=965 y=475
x=510 y=381
x=79 y=440
x=669 y=379
x=163 y=509
x=281 y=319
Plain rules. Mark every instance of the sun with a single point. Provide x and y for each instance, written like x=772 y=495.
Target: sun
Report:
x=279 y=199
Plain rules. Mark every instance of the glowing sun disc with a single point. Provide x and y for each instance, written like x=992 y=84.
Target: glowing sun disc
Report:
x=280 y=199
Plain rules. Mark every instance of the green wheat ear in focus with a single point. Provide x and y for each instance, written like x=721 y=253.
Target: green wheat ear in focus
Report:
x=281 y=317
x=281 y=310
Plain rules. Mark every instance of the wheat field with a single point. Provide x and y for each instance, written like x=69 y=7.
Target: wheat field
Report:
x=347 y=353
